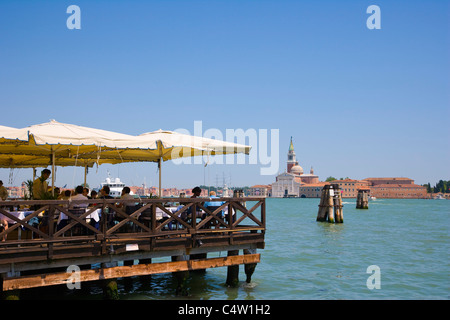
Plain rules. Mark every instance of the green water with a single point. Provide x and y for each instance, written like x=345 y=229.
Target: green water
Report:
x=407 y=239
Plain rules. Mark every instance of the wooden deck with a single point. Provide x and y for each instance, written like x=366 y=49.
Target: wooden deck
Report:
x=140 y=233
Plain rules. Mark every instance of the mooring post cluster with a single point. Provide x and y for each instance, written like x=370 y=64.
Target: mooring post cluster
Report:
x=362 y=199
x=330 y=206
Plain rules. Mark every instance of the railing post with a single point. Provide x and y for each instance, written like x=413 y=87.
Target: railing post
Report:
x=263 y=213
x=50 y=219
x=230 y=214
x=153 y=221
x=194 y=216
x=104 y=227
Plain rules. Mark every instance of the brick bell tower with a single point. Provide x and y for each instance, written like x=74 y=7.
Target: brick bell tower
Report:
x=291 y=157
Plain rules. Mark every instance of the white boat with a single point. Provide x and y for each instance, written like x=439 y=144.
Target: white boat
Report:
x=115 y=186
x=372 y=198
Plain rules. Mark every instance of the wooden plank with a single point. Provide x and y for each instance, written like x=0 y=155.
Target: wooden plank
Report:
x=41 y=280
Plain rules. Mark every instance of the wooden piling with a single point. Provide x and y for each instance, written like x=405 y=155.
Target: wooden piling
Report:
x=181 y=277
x=233 y=271
x=330 y=206
x=322 y=214
x=110 y=290
x=362 y=199
x=249 y=268
x=338 y=208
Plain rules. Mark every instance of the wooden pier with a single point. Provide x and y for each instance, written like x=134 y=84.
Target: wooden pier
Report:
x=33 y=255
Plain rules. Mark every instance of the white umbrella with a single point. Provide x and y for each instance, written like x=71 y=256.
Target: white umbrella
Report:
x=168 y=145
x=54 y=143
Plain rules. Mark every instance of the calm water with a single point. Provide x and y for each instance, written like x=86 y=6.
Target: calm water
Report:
x=304 y=259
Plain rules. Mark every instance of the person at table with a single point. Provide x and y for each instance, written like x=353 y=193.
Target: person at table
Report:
x=79 y=196
x=128 y=206
x=40 y=185
x=126 y=196
x=63 y=220
x=86 y=193
x=104 y=193
x=3 y=191
x=195 y=194
x=65 y=195
x=213 y=205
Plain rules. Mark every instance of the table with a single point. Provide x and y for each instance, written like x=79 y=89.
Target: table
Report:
x=94 y=215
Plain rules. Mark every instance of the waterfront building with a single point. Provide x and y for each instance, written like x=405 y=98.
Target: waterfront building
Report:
x=349 y=187
x=260 y=190
x=313 y=190
x=288 y=183
x=396 y=188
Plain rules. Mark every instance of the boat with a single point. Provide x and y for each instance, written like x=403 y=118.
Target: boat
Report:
x=372 y=198
x=115 y=186
x=439 y=197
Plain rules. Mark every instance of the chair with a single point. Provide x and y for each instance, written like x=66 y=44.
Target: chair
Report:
x=146 y=216
x=219 y=215
x=77 y=229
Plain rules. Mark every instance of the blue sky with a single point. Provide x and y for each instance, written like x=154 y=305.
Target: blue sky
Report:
x=358 y=103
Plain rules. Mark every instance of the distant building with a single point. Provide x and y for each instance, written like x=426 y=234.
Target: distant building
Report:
x=260 y=190
x=396 y=188
x=16 y=192
x=378 y=181
x=349 y=187
x=288 y=183
x=313 y=190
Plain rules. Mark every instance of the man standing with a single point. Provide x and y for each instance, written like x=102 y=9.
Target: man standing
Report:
x=40 y=186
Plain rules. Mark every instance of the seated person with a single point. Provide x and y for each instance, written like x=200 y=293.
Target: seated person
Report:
x=126 y=204
x=93 y=194
x=65 y=195
x=79 y=196
x=213 y=205
x=195 y=194
x=86 y=192
x=62 y=221
x=104 y=193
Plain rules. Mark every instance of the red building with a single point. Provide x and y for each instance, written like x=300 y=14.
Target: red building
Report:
x=395 y=188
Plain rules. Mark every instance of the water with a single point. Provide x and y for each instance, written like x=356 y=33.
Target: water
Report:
x=407 y=239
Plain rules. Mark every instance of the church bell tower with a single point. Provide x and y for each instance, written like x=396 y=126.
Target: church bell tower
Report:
x=291 y=157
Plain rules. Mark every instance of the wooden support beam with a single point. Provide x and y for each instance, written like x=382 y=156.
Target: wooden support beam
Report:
x=41 y=280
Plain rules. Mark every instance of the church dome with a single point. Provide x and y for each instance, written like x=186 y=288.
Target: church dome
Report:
x=297 y=170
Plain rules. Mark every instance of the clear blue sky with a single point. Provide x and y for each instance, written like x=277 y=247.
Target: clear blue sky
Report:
x=358 y=103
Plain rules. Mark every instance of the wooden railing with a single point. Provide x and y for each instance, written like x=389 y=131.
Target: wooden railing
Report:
x=151 y=223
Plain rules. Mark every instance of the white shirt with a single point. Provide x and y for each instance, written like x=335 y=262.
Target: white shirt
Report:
x=79 y=196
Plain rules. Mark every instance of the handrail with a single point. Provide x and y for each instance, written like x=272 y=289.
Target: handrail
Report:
x=49 y=210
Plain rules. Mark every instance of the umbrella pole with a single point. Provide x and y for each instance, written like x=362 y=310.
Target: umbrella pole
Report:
x=85 y=174
x=53 y=172
x=159 y=165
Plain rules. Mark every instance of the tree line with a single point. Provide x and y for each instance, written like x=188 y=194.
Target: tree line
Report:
x=442 y=186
